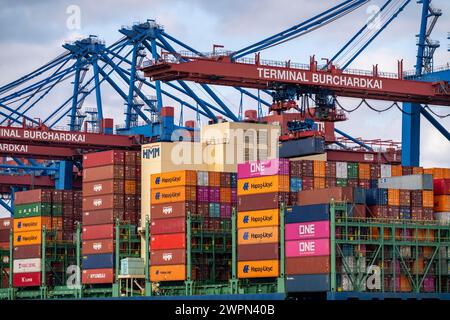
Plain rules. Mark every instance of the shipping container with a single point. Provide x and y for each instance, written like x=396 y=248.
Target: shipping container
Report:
x=99 y=246
x=4 y=236
x=173 y=179
x=32 y=279
x=29 y=265
x=306 y=248
x=6 y=223
x=172 y=210
x=175 y=194
x=263 y=168
x=442 y=203
x=32 y=196
x=103 y=187
x=32 y=224
x=308 y=265
x=168 y=273
x=409 y=182
x=308 y=283
x=254 y=252
x=258 y=235
x=32 y=210
x=105 y=158
x=169 y=241
x=259 y=201
x=260 y=218
x=103 y=173
x=27 y=252
x=167 y=257
x=268 y=184
x=104 y=231
x=167 y=226
x=442 y=186
x=308 y=230
x=104 y=202
x=308 y=213
x=27 y=238
x=302 y=147
x=99 y=217
x=98 y=276
x=325 y=196
x=98 y=261
x=258 y=269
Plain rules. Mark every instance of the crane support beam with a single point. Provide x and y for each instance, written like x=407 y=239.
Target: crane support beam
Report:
x=366 y=85
x=411 y=134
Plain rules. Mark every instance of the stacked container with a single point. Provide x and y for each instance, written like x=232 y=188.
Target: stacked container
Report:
x=442 y=201
x=32 y=212
x=110 y=193
x=262 y=186
x=6 y=225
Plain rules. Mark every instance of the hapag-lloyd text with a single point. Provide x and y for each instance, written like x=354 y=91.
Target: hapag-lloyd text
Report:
x=320 y=79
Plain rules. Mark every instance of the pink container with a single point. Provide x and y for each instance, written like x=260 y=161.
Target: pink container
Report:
x=263 y=168
x=202 y=194
x=225 y=211
x=308 y=230
x=214 y=194
x=308 y=248
x=429 y=284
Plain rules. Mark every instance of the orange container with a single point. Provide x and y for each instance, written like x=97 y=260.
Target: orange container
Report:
x=57 y=223
x=168 y=273
x=428 y=199
x=376 y=233
x=258 y=235
x=214 y=179
x=428 y=252
x=319 y=183
x=418 y=265
x=267 y=184
x=257 y=219
x=175 y=194
x=258 y=269
x=405 y=286
x=418 y=170
x=396 y=171
x=174 y=179
x=364 y=171
x=32 y=224
x=428 y=171
x=424 y=235
x=27 y=238
x=394 y=197
x=319 y=168
x=130 y=187
x=225 y=195
x=442 y=203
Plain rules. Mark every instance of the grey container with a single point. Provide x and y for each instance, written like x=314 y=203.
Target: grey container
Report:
x=132 y=267
x=308 y=283
x=411 y=182
x=302 y=147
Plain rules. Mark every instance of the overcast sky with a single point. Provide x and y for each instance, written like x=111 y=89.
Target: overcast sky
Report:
x=33 y=31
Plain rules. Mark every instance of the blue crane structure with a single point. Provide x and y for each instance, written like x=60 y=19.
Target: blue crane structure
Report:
x=88 y=65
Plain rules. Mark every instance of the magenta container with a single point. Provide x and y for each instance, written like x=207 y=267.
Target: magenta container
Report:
x=429 y=284
x=308 y=248
x=225 y=211
x=234 y=197
x=202 y=194
x=214 y=194
x=263 y=168
x=308 y=230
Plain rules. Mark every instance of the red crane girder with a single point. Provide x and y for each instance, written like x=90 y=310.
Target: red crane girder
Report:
x=257 y=75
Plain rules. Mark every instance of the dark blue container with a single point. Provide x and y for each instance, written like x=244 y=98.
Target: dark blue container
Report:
x=359 y=196
x=98 y=261
x=405 y=213
x=315 y=212
x=308 y=283
x=234 y=180
x=302 y=147
x=374 y=183
x=348 y=250
x=377 y=197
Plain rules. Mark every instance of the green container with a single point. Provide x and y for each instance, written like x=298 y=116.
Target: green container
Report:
x=32 y=210
x=352 y=170
x=341 y=182
x=57 y=210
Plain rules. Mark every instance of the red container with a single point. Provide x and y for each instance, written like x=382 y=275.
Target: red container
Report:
x=106 y=158
x=308 y=265
x=28 y=279
x=4 y=235
x=167 y=257
x=103 y=202
x=330 y=169
x=254 y=252
x=405 y=198
x=172 y=210
x=6 y=224
x=321 y=196
x=169 y=241
x=103 y=187
x=378 y=212
x=307 y=183
x=32 y=196
x=416 y=213
x=97 y=276
x=442 y=186
x=98 y=246
x=103 y=173
x=259 y=201
x=364 y=184
x=416 y=198
x=330 y=183
x=375 y=171
x=105 y=231
x=168 y=226
x=27 y=252
x=393 y=212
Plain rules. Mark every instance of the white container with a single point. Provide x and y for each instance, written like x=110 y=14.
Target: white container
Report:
x=411 y=182
x=347 y=284
x=405 y=252
x=386 y=171
x=443 y=218
x=27 y=265
x=341 y=170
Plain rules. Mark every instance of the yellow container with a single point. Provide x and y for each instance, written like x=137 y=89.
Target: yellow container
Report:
x=27 y=238
x=260 y=218
x=168 y=273
x=261 y=185
x=174 y=179
x=258 y=235
x=258 y=269
x=32 y=224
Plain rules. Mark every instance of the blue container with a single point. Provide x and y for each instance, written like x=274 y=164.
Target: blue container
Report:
x=214 y=210
x=296 y=185
x=359 y=196
x=98 y=261
x=374 y=183
x=348 y=250
x=377 y=197
x=315 y=212
x=308 y=283
x=405 y=213
x=234 y=180
x=302 y=147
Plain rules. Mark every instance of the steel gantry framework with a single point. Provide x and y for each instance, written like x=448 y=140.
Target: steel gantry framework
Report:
x=88 y=65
